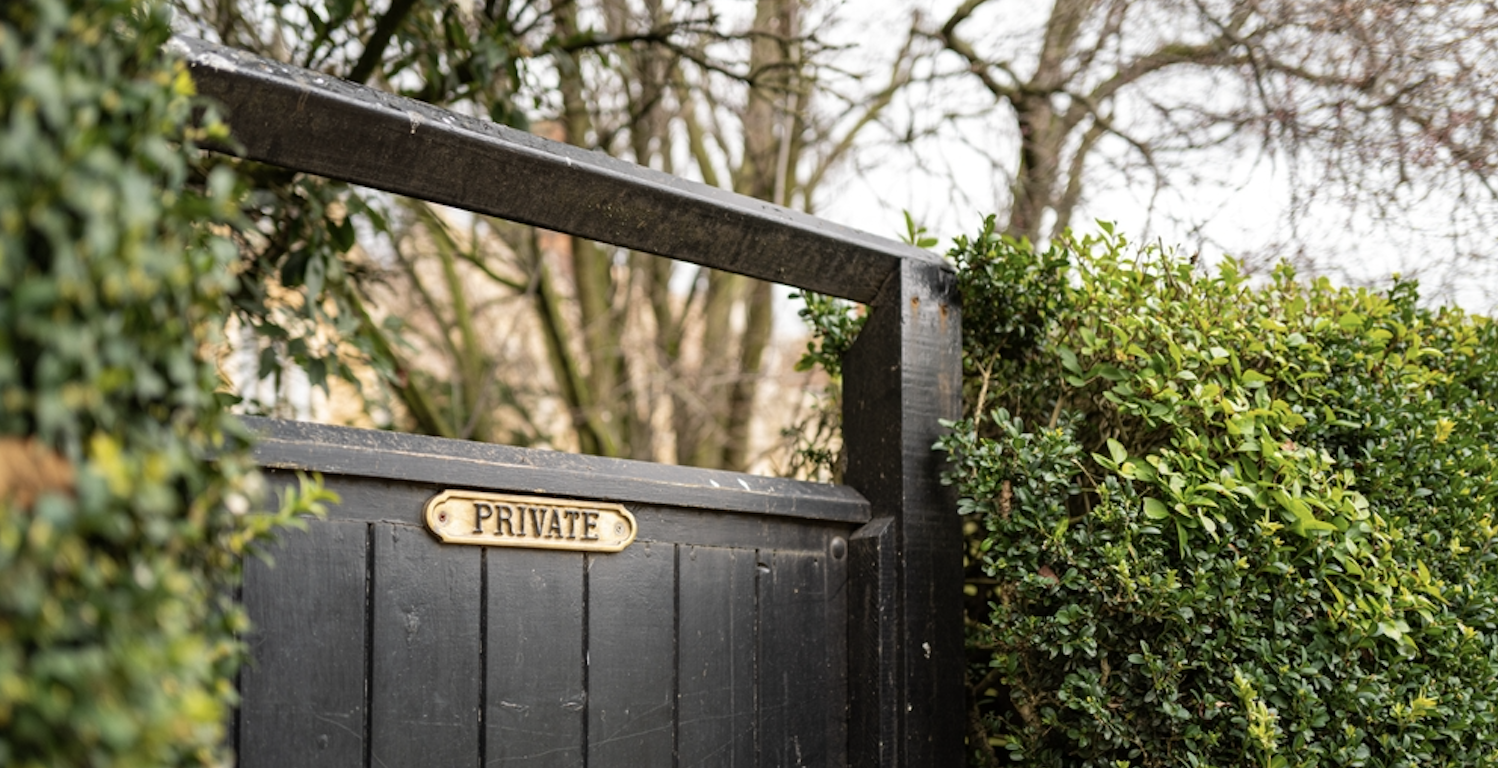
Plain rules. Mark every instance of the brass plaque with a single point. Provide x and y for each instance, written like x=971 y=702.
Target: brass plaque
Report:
x=496 y=520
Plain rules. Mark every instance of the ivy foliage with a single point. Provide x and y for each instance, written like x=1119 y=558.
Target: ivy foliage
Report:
x=1215 y=521
x=125 y=487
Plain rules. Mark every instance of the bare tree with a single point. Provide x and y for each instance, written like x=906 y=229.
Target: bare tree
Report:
x=1378 y=115
x=639 y=362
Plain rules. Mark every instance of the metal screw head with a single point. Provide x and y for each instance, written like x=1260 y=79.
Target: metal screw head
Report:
x=839 y=547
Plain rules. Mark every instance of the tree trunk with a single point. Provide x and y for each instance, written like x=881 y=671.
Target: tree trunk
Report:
x=599 y=325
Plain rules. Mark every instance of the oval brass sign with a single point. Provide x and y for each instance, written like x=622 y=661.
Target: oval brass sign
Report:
x=497 y=520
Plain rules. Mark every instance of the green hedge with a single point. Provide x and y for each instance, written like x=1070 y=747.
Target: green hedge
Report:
x=1222 y=521
x=1218 y=521
x=119 y=539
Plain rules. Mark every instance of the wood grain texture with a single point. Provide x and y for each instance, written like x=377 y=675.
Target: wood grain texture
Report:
x=535 y=690
x=716 y=631
x=632 y=657
x=835 y=619
x=303 y=688
x=466 y=464
x=873 y=645
x=377 y=500
x=795 y=680
x=901 y=377
x=299 y=119
x=426 y=670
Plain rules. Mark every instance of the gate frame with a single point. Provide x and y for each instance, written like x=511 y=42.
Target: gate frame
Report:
x=902 y=376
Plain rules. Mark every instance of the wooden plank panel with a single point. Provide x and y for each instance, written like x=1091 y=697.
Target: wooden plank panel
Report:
x=303 y=689
x=732 y=531
x=631 y=652
x=535 y=689
x=426 y=668
x=835 y=580
x=794 y=674
x=873 y=667
x=716 y=626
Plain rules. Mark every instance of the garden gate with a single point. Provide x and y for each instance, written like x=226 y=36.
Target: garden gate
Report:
x=751 y=621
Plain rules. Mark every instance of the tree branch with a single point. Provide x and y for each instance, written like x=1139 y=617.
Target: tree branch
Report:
x=379 y=39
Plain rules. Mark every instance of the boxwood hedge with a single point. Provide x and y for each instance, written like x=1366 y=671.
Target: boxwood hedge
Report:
x=1217 y=520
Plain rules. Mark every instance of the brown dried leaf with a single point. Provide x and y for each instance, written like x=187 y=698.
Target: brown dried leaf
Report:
x=29 y=469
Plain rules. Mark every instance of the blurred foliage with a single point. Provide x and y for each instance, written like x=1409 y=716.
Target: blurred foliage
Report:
x=1216 y=521
x=304 y=285
x=815 y=436
x=126 y=493
x=474 y=328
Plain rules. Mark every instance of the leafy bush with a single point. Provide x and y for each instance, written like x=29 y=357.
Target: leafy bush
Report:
x=118 y=537
x=1221 y=521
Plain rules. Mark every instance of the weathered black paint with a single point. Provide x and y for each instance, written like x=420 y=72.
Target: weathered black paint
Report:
x=873 y=642
x=795 y=643
x=670 y=651
x=424 y=676
x=632 y=656
x=754 y=621
x=463 y=464
x=536 y=690
x=716 y=626
x=302 y=708
x=903 y=375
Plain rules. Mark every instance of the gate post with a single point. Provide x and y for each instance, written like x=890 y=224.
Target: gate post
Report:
x=905 y=645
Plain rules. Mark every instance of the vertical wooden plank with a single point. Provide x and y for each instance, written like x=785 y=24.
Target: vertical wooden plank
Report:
x=534 y=653
x=631 y=609
x=793 y=660
x=716 y=625
x=426 y=668
x=835 y=580
x=902 y=376
x=873 y=662
x=303 y=690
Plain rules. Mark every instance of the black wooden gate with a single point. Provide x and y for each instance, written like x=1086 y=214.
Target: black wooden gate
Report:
x=752 y=621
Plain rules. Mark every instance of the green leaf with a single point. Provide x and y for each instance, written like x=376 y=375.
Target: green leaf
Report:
x=1154 y=509
x=1109 y=372
x=1394 y=630
x=1116 y=450
x=1253 y=379
x=1069 y=360
x=1305 y=521
x=342 y=234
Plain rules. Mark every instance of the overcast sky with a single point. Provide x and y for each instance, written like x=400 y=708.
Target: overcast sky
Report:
x=949 y=185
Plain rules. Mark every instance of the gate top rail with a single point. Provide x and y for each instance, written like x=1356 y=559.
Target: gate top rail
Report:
x=300 y=119
x=462 y=463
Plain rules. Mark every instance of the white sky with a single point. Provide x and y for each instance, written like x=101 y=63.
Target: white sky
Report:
x=1249 y=219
